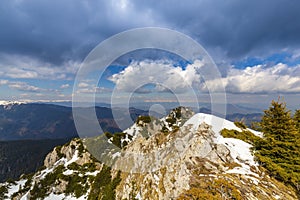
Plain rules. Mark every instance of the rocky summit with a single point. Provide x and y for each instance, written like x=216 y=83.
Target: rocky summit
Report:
x=180 y=156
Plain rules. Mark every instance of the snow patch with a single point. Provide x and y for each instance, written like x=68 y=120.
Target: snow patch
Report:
x=117 y=154
x=239 y=150
x=126 y=139
x=92 y=173
x=73 y=159
x=62 y=197
x=25 y=197
x=139 y=196
x=277 y=196
x=133 y=130
x=257 y=133
x=13 y=188
x=156 y=178
x=44 y=172
x=68 y=172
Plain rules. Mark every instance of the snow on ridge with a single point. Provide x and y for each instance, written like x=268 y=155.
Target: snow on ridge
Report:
x=74 y=158
x=132 y=130
x=217 y=123
x=240 y=151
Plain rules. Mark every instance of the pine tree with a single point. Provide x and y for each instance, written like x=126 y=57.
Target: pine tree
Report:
x=279 y=150
x=277 y=122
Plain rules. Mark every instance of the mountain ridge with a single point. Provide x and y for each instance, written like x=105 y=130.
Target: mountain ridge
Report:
x=195 y=160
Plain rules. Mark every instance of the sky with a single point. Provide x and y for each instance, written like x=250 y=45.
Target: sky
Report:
x=255 y=45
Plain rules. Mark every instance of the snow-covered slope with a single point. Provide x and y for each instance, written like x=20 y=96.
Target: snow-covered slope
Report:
x=240 y=151
x=217 y=123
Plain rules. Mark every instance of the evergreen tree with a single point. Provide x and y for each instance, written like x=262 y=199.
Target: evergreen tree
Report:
x=277 y=122
x=279 y=150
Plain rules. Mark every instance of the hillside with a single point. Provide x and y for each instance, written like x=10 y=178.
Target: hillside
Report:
x=19 y=121
x=181 y=156
x=36 y=129
x=24 y=156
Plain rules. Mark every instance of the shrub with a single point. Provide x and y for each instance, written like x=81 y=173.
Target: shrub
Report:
x=144 y=119
x=104 y=186
x=171 y=120
x=212 y=190
x=117 y=138
x=58 y=152
x=3 y=191
x=241 y=125
x=77 y=185
x=246 y=136
x=74 y=166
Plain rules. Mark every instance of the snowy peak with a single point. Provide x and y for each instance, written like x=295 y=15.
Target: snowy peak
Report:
x=5 y=103
x=8 y=104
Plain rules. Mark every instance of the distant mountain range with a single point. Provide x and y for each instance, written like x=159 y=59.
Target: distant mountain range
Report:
x=19 y=121
x=47 y=121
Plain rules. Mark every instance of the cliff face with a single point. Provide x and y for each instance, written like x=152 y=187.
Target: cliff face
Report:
x=182 y=156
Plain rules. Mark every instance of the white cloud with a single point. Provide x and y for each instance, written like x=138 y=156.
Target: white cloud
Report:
x=279 y=78
x=22 y=86
x=3 y=82
x=15 y=72
x=92 y=90
x=160 y=73
x=25 y=87
x=83 y=85
x=15 y=66
x=64 y=86
x=259 y=79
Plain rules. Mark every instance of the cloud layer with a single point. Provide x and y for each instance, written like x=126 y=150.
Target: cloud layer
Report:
x=24 y=87
x=24 y=67
x=258 y=79
x=56 y=31
x=47 y=40
x=262 y=79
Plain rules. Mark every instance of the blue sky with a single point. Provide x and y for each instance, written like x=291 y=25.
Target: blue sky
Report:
x=255 y=44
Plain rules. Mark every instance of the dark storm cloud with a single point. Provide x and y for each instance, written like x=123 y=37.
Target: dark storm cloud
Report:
x=237 y=27
x=55 y=31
